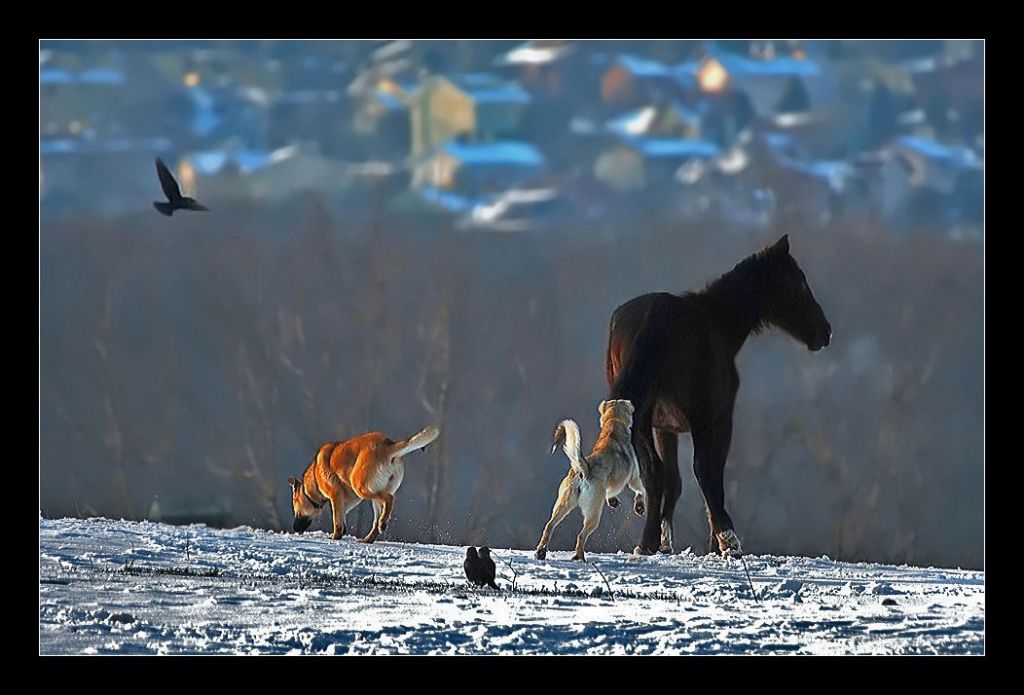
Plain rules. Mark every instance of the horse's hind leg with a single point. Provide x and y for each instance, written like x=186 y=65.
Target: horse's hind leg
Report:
x=651 y=471
x=710 y=450
x=668 y=448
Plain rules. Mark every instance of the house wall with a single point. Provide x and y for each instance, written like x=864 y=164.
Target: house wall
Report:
x=617 y=86
x=620 y=168
x=437 y=171
x=439 y=112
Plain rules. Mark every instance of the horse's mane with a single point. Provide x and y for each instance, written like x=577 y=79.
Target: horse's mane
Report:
x=737 y=293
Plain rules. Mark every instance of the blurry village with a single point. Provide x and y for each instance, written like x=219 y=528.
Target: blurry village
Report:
x=506 y=135
x=408 y=232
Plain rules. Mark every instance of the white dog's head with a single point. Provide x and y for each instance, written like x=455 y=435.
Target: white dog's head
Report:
x=620 y=410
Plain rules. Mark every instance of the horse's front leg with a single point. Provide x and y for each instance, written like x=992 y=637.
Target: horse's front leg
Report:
x=710 y=450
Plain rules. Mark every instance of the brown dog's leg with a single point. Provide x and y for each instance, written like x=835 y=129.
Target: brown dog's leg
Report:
x=338 y=510
x=374 y=531
x=385 y=515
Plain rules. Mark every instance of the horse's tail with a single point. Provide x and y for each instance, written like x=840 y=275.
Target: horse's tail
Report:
x=638 y=377
x=568 y=435
x=609 y=363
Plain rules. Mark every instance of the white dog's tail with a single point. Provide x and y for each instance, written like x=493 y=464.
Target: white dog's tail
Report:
x=568 y=435
x=416 y=442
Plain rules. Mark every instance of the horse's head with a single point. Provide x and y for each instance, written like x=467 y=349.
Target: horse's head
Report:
x=789 y=302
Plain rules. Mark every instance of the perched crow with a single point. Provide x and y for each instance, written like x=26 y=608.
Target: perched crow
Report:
x=176 y=201
x=474 y=567
x=488 y=567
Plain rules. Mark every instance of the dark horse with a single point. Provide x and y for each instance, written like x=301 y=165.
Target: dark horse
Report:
x=674 y=357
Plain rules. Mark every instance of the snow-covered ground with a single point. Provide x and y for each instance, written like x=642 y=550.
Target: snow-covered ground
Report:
x=142 y=588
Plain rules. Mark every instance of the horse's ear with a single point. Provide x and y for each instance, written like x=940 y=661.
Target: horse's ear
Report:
x=782 y=245
x=293 y=482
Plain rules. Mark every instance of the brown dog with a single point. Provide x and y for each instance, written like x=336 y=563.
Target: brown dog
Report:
x=368 y=467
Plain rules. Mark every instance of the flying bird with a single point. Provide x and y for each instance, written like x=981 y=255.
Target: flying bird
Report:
x=175 y=200
x=487 y=565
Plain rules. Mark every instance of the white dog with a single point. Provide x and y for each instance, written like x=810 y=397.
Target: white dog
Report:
x=610 y=467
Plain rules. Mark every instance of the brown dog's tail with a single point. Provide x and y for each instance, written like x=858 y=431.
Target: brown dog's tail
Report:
x=416 y=442
x=568 y=435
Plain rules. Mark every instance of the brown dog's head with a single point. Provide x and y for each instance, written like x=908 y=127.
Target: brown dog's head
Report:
x=620 y=410
x=302 y=505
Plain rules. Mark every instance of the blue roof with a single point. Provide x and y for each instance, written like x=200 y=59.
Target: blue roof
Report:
x=643 y=67
x=210 y=162
x=389 y=101
x=507 y=152
x=686 y=75
x=961 y=156
x=674 y=147
x=67 y=145
x=484 y=88
x=738 y=65
x=475 y=79
x=58 y=146
x=91 y=76
x=55 y=76
x=102 y=76
x=778 y=140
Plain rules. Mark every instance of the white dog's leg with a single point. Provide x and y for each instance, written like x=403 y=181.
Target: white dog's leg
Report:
x=567 y=498
x=639 y=502
x=592 y=508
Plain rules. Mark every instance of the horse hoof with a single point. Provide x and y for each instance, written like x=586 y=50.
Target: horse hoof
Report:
x=729 y=543
x=667 y=549
x=541 y=553
x=613 y=502
x=579 y=558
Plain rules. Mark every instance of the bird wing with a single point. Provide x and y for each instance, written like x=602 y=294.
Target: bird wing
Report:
x=167 y=181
